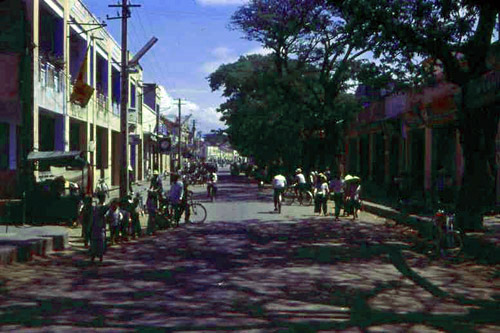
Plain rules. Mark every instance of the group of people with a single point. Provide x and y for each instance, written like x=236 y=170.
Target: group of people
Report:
x=122 y=216
x=324 y=186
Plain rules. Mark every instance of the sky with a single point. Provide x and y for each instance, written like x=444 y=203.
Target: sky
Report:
x=193 y=40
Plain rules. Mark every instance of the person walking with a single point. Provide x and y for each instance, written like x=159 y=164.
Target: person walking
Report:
x=176 y=193
x=337 y=190
x=353 y=195
x=212 y=185
x=125 y=209
x=113 y=217
x=152 y=207
x=134 y=216
x=86 y=219
x=320 y=194
x=102 y=191
x=98 y=232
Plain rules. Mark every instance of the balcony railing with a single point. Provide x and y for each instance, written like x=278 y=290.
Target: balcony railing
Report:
x=51 y=86
x=116 y=108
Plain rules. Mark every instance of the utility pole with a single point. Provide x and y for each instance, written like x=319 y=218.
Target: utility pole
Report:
x=157 y=138
x=124 y=97
x=180 y=139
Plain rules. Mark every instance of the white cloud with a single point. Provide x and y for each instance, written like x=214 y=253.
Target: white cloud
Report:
x=221 y=2
x=224 y=55
x=206 y=119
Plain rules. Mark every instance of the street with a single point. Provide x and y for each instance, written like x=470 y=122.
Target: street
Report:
x=249 y=268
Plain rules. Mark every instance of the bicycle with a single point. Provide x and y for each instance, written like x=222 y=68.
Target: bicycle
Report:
x=444 y=235
x=304 y=197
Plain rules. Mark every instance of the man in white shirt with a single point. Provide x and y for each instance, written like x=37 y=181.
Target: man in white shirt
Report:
x=300 y=181
x=212 y=183
x=279 y=184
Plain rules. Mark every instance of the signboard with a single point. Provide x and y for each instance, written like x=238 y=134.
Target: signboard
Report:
x=165 y=145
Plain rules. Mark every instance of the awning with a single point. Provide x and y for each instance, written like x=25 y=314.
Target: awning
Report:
x=58 y=158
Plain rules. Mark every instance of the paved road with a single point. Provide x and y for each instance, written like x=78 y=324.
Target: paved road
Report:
x=248 y=268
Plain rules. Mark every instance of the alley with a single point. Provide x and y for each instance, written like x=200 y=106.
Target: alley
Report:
x=251 y=269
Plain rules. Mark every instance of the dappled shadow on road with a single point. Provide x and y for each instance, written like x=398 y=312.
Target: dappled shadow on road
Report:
x=301 y=275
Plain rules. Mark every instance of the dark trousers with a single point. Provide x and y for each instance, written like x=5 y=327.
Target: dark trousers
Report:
x=339 y=203
x=320 y=204
x=136 y=225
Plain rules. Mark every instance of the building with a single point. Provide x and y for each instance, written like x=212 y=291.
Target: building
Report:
x=47 y=49
x=414 y=132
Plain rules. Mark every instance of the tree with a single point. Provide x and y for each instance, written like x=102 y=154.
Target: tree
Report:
x=458 y=34
x=315 y=49
x=268 y=114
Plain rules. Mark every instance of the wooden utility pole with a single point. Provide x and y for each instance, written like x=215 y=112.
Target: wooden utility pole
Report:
x=158 y=154
x=124 y=97
x=180 y=139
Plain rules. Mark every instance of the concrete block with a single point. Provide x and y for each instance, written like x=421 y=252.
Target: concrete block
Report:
x=8 y=254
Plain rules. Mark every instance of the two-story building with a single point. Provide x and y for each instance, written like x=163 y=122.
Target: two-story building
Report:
x=47 y=48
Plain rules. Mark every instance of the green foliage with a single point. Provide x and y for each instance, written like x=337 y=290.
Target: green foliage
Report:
x=273 y=116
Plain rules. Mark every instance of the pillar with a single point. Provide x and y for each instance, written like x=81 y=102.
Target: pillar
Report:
x=459 y=160
x=387 y=161
x=61 y=136
x=370 y=156
x=12 y=146
x=36 y=72
x=428 y=160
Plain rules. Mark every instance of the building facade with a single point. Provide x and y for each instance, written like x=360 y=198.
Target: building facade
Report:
x=50 y=47
x=413 y=133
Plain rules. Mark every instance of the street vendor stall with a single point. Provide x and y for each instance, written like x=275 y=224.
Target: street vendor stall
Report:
x=59 y=182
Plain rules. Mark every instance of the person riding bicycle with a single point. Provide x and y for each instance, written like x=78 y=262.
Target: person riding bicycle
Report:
x=102 y=191
x=155 y=183
x=300 y=181
x=279 y=185
x=212 y=183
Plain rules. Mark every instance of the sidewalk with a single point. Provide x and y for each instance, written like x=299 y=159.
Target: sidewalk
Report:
x=483 y=246
x=19 y=243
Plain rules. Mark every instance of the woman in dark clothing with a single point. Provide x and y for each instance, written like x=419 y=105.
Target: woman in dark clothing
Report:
x=98 y=232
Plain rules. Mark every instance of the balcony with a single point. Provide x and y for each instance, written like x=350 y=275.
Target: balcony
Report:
x=115 y=106
x=51 y=87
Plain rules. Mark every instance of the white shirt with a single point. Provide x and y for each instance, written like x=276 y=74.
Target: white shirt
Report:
x=279 y=182
x=210 y=180
x=300 y=178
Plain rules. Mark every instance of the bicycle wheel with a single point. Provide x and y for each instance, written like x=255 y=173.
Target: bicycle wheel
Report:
x=454 y=242
x=198 y=213
x=307 y=198
x=288 y=198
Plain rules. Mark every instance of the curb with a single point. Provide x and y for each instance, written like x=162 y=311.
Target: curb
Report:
x=475 y=246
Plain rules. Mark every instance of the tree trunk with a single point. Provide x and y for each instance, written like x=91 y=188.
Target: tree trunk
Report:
x=478 y=138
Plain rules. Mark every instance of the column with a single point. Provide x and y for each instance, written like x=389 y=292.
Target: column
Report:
x=36 y=73
x=66 y=53
x=61 y=136
x=428 y=160
x=370 y=156
x=387 y=161
x=459 y=160
x=12 y=146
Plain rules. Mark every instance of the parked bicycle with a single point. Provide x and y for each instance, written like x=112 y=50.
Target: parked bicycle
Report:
x=197 y=213
x=447 y=240
x=304 y=197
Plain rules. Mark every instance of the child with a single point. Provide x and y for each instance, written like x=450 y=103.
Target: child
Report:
x=113 y=217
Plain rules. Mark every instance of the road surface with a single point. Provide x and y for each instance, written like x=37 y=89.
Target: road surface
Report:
x=248 y=268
